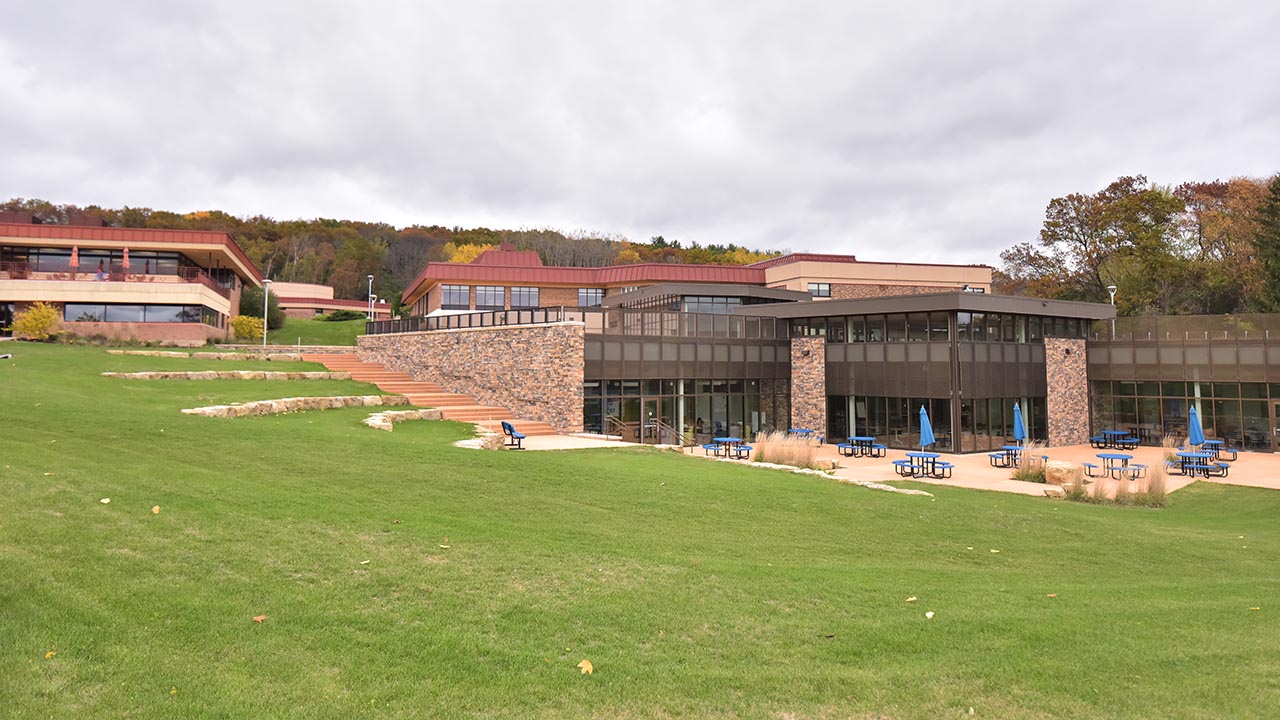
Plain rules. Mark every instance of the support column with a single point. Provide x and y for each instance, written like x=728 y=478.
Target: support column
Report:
x=809 y=383
x=1066 y=367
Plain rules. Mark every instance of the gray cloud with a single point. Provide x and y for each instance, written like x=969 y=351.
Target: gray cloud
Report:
x=930 y=131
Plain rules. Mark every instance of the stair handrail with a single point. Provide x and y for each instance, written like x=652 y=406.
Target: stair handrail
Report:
x=612 y=423
x=683 y=440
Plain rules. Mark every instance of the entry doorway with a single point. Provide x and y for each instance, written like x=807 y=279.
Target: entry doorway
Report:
x=1275 y=427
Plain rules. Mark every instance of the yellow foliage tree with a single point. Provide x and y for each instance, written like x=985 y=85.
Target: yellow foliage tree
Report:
x=464 y=253
x=245 y=327
x=40 y=321
x=627 y=256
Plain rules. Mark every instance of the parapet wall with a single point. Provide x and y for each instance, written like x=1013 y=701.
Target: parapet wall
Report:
x=533 y=370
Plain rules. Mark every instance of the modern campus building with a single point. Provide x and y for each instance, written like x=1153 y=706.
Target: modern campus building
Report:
x=654 y=352
x=304 y=300
x=172 y=286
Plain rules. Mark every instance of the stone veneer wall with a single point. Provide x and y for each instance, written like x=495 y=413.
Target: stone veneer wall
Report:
x=1067 y=376
x=535 y=371
x=848 y=291
x=809 y=383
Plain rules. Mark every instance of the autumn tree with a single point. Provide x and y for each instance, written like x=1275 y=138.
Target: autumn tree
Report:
x=1267 y=246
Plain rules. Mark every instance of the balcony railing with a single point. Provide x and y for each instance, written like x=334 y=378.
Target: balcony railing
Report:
x=1188 y=328
x=601 y=321
x=22 y=271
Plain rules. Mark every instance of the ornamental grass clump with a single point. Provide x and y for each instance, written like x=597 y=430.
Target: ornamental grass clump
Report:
x=1031 y=469
x=780 y=448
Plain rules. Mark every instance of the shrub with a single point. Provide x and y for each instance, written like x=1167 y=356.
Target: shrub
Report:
x=245 y=327
x=1077 y=487
x=782 y=449
x=344 y=315
x=40 y=321
x=1170 y=445
x=1031 y=469
x=251 y=301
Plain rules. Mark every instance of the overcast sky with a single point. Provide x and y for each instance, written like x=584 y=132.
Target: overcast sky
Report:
x=925 y=131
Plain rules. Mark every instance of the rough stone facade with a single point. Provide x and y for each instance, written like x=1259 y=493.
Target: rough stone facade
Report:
x=809 y=383
x=535 y=371
x=1067 y=404
x=847 y=291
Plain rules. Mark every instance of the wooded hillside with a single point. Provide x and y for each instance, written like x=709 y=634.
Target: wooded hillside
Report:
x=341 y=253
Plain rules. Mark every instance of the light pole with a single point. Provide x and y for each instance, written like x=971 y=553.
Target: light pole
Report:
x=370 y=297
x=1111 y=290
x=266 y=292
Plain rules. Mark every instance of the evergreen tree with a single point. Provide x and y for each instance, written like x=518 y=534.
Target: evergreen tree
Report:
x=1268 y=246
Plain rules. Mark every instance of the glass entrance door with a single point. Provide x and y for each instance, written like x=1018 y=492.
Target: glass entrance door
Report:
x=651 y=421
x=1275 y=428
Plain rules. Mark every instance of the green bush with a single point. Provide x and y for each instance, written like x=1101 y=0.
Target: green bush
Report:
x=344 y=315
x=251 y=304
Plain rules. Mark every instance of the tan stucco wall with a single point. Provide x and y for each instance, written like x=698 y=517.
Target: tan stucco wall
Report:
x=798 y=275
x=301 y=290
x=137 y=293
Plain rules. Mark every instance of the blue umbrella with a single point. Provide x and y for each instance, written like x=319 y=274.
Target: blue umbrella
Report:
x=1019 y=427
x=926 y=429
x=1195 y=432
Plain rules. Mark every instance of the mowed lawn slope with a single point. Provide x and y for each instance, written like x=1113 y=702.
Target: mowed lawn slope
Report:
x=403 y=577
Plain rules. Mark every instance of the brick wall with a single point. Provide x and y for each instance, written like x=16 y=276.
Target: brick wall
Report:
x=809 y=383
x=535 y=371
x=846 y=291
x=557 y=297
x=1067 y=404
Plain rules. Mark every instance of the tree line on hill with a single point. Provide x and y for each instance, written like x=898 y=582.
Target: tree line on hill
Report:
x=342 y=253
x=1197 y=248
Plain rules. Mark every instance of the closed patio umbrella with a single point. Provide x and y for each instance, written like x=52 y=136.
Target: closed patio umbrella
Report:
x=75 y=257
x=1195 y=433
x=1019 y=427
x=126 y=259
x=926 y=429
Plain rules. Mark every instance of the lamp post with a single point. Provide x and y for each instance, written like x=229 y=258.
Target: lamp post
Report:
x=370 y=297
x=266 y=292
x=1111 y=290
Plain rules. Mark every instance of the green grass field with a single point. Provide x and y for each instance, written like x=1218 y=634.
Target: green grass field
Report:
x=316 y=332
x=402 y=577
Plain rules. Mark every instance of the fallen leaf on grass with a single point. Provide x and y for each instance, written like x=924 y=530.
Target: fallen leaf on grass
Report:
x=1052 y=595
x=446 y=547
x=47 y=474
x=911 y=599
x=1257 y=608
x=928 y=615
x=49 y=655
x=364 y=562
x=995 y=551
x=155 y=510
x=586 y=667
x=259 y=618
x=105 y=501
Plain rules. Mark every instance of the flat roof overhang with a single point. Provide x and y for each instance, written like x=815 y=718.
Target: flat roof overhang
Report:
x=950 y=301
x=707 y=290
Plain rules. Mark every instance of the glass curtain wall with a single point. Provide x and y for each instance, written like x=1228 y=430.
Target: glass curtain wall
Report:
x=1236 y=412
x=697 y=409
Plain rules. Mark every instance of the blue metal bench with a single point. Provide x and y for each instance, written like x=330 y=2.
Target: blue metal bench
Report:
x=846 y=449
x=1093 y=470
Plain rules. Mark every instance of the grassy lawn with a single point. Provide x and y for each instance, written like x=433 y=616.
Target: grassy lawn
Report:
x=403 y=577
x=316 y=332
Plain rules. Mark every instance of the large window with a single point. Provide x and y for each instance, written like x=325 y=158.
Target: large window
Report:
x=820 y=289
x=590 y=297
x=99 y=312
x=490 y=297
x=455 y=297
x=709 y=304
x=524 y=297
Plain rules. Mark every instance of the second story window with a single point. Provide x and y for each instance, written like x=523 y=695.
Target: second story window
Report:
x=590 y=297
x=820 y=289
x=455 y=297
x=524 y=297
x=490 y=297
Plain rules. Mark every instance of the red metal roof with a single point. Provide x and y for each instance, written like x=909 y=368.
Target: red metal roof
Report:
x=124 y=236
x=820 y=257
x=518 y=258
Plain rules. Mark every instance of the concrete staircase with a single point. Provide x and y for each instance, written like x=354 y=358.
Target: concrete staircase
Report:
x=453 y=406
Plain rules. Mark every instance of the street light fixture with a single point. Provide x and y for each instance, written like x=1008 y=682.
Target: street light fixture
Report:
x=1111 y=290
x=266 y=292
x=370 y=297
